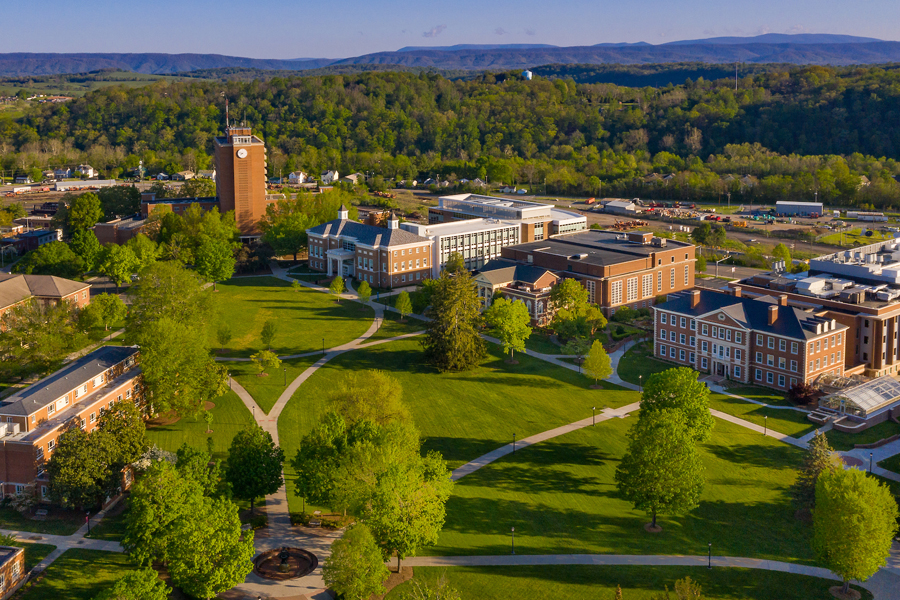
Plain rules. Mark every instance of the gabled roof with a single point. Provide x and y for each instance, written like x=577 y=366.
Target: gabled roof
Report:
x=70 y=377
x=16 y=288
x=370 y=235
x=498 y=272
x=749 y=312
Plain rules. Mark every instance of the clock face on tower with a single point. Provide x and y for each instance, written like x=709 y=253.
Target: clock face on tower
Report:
x=242 y=153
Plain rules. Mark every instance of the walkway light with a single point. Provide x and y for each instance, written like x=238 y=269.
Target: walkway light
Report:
x=513 y=530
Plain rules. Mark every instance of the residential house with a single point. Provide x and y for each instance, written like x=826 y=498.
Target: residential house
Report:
x=17 y=289
x=74 y=396
x=21 y=178
x=297 y=177
x=86 y=171
x=329 y=177
x=162 y=176
x=183 y=175
x=206 y=174
x=353 y=178
x=523 y=283
x=62 y=173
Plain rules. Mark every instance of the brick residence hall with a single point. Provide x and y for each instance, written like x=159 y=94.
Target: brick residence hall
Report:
x=760 y=341
x=32 y=419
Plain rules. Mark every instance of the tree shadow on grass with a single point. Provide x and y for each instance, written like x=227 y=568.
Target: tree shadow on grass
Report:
x=766 y=456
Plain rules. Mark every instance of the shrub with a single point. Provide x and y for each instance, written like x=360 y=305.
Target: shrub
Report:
x=258 y=521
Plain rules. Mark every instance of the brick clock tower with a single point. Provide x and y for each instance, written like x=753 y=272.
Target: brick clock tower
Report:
x=241 y=177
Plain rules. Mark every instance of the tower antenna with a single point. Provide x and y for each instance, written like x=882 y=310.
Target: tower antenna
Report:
x=226 y=109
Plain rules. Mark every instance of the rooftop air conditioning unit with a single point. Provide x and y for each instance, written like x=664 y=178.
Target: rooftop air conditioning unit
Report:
x=2 y=430
x=15 y=428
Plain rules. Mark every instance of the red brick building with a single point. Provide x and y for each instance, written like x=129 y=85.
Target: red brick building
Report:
x=32 y=419
x=385 y=257
x=617 y=269
x=17 y=289
x=760 y=341
x=528 y=284
x=12 y=569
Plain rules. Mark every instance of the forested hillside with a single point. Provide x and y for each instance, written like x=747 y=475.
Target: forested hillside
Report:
x=795 y=131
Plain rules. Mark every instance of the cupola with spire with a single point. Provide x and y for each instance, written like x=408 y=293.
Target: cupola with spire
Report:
x=343 y=213
x=393 y=221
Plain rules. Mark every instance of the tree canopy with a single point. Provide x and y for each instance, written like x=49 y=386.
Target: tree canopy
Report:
x=254 y=464
x=452 y=341
x=678 y=389
x=510 y=322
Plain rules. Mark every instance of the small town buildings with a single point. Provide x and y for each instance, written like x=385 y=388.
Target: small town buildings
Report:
x=620 y=207
x=876 y=217
x=353 y=178
x=537 y=221
x=17 y=289
x=799 y=209
x=183 y=175
x=119 y=231
x=206 y=174
x=617 y=269
x=385 y=257
x=12 y=570
x=329 y=177
x=527 y=75
x=84 y=185
x=478 y=241
x=62 y=173
x=851 y=405
x=297 y=177
x=74 y=396
x=32 y=240
x=86 y=171
x=523 y=283
x=161 y=176
x=760 y=341
x=21 y=178
x=149 y=202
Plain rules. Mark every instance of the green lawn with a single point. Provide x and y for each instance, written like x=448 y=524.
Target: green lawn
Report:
x=850 y=238
x=593 y=582
x=392 y=327
x=229 y=416
x=846 y=441
x=760 y=394
x=891 y=464
x=391 y=300
x=59 y=522
x=79 y=574
x=112 y=527
x=639 y=361
x=788 y=422
x=463 y=415
x=34 y=553
x=540 y=342
x=304 y=318
x=560 y=496
x=266 y=389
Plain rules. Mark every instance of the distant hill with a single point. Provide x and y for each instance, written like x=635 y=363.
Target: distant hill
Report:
x=821 y=49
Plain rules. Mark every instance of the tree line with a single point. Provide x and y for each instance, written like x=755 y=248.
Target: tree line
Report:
x=796 y=131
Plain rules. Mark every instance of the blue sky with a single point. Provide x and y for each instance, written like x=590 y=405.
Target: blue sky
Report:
x=343 y=28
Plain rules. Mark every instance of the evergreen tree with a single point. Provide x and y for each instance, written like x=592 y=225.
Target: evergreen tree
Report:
x=820 y=458
x=452 y=341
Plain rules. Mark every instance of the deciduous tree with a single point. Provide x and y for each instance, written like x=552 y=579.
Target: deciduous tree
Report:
x=214 y=259
x=197 y=464
x=118 y=263
x=403 y=305
x=264 y=359
x=337 y=287
x=140 y=584
x=569 y=295
x=85 y=244
x=364 y=291
x=55 y=258
x=77 y=471
x=854 y=524
x=510 y=322
x=167 y=289
x=84 y=212
x=597 y=365
x=678 y=389
x=661 y=471
x=254 y=463
x=355 y=569
x=107 y=309
x=369 y=395
x=223 y=335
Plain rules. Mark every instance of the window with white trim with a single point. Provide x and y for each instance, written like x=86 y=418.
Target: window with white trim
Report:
x=662 y=318
x=705 y=329
x=737 y=371
x=782 y=345
x=687 y=274
x=632 y=289
x=704 y=363
x=781 y=362
x=615 y=293
x=704 y=346
x=681 y=339
x=770 y=377
x=672 y=279
x=771 y=343
x=737 y=354
x=758 y=375
x=681 y=355
x=795 y=347
x=662 y=350
x=662 y=334
x=646 y=286
x=738 y=337
x=659 y=281
x=794 y=366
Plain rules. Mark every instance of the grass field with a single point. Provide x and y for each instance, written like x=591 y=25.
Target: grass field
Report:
x=463 y=415
x=540 y=342
x=79 y=574
x=639 y=361
x=560 y=496
x=891 y=464
x=583 y=582
x=59 y=522
x=788 y=422
x=266 y=389
x=81 y=83
x=229 y=416
x=760 y=394
x=855 y=237
x=303 y=318
x=34 y=553
x=392 y=327
x=846 y=441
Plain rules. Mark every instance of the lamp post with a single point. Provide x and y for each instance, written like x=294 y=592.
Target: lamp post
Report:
x=870 y=462
x=593 y=416
x=323 y=346
x=513 y=531
x=514 y=443
x=727 y=254
x=87 y=519
x=229 y=381
x=709 y=563
x=765 y=424
x=285 y=376
x=641 y=383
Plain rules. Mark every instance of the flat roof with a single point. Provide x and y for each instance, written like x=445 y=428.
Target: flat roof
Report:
x=792 y=203
x=55 y=386
x=458 y=227
x=602 y=248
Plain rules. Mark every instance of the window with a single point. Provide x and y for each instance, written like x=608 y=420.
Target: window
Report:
x=705 y=329
x=704 y=363
x=647 y=286
x=818 y=364
x=683 y=322
x=93 y=417
x=810 y=366
x=819 y=346
x=632 y=290
x=51 y=408
x=738 y=337
x=772 y=343
x=659 y=281
x=615 y=293
x=662 y=318
x=98 y=381
x=662 y=350
x=770 y=377
x=681 y=355
x=727 y=335
x=782 y=345
x=45 y=492
x=693 y=325
x=794 y=366
x=692 y=358
x=781 y=381
x=832 y=358
x=838 y=357
x=687 y=275
x=759 y=339
x=672 y=279
x=704 y=346
x=737 y=354
x=681 y=339
x=128 y=393
x=825 y=345
x=693 y=342
x=81 y=391
x=759 y=357
x=794 y=348
x=721 y=333
x=51 y=444
x=758 y=375
x=770 y=360
x=403 y=278
x=662 y=334
x=781 y=362
x=839 y=338
x=737 y=371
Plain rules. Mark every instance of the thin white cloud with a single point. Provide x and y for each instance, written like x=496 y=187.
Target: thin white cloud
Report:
x=530 y=32
x=500 y=31
x=434 y=31
x=797 y=29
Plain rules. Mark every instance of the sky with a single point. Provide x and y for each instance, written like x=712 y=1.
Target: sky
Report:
x=343 y=28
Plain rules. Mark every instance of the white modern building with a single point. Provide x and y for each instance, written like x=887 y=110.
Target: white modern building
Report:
x=477 y=240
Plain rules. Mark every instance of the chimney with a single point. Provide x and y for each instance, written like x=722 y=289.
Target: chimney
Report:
x=695 y=298
x=773 y=314
x=737 y=291
x=343 y=213
x=782 y=300
x=393 y=221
